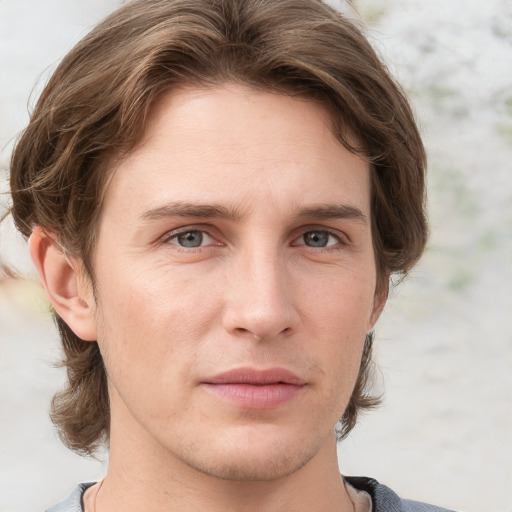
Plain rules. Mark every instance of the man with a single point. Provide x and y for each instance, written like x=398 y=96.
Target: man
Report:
x=216 y=194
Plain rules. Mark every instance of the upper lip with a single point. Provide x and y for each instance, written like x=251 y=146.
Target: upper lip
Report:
x=255 y=376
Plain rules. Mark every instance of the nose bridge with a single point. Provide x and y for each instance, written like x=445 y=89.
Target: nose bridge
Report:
x=260 y=301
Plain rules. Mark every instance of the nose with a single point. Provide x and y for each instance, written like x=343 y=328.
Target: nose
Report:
x=260 y=301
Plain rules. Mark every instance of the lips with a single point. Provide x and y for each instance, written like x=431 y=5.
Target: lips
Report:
x=254 y=388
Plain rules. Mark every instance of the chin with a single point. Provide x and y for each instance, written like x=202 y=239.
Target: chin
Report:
x=252 y=457
x=255 y=469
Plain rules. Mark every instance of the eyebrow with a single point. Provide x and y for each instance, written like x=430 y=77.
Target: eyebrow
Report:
x=183 y=209
x=217 y=211
x=332 y=211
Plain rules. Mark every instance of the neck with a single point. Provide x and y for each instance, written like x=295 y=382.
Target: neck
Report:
x=143 y=475
x=308 y=489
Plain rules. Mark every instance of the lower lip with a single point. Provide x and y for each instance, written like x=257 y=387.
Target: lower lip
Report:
x=252 y=396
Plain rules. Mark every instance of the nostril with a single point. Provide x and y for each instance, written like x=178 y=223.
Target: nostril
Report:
x=241 y=330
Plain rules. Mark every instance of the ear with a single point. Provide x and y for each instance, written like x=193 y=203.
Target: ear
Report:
x=69 y=293
x=379 y=301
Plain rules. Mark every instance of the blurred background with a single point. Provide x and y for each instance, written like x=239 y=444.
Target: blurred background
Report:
x=444 y=343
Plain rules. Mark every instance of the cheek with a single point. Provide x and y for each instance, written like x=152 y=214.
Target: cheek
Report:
x=138 y=298
x=151 y=327
x=340 y=302
x=339 y=312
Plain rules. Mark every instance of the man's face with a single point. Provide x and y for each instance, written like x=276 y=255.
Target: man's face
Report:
x=235 y=283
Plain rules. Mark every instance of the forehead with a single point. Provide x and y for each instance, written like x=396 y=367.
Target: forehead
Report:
x=232 y=142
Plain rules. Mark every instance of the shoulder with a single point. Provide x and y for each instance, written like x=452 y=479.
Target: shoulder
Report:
x=386 y=500
x=416 y=506
x=73 y=502
x=383 y=498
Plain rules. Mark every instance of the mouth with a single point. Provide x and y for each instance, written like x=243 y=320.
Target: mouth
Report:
x=252 y=388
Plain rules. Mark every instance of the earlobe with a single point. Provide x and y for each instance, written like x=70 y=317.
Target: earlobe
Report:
x=71 y=298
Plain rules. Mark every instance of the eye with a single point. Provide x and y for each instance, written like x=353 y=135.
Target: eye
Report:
x=191 y=239
x=318 y=238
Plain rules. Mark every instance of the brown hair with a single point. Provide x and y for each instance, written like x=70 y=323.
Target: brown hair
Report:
x=95 y=106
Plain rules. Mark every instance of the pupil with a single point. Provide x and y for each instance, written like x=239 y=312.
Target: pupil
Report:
x=316 y=238
x=190 y=239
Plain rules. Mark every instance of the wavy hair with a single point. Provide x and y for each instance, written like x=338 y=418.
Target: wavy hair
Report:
x=95 y=106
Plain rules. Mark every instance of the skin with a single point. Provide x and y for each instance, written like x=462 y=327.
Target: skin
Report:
x=284 y=276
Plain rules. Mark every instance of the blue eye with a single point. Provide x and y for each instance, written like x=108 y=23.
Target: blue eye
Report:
x=190 y=239
x=319 y=238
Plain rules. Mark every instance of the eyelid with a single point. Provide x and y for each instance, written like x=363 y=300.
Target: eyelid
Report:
x=208 y=230
x=206 y=238
x=169 y=236
x=342 y=238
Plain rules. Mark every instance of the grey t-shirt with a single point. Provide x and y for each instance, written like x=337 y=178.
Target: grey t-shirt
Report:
x=383 y=498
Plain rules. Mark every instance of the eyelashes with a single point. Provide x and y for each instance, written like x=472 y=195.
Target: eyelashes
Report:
x=193 y=239
x=190 y=239
x=319 y=238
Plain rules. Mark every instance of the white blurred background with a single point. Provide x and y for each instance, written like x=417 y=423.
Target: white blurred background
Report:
x=444 y=344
